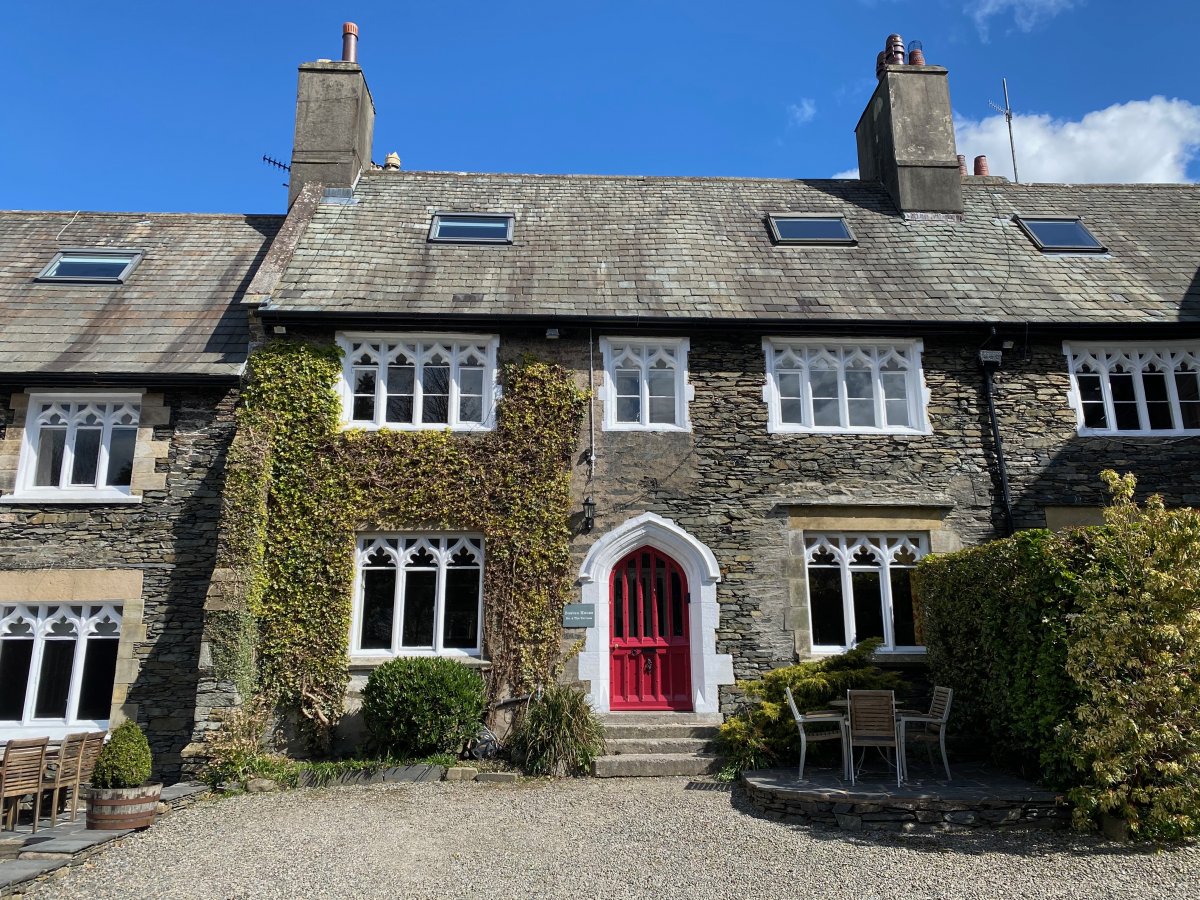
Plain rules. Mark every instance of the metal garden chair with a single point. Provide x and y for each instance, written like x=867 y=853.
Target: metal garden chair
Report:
x=934 y=722
x=822 y=720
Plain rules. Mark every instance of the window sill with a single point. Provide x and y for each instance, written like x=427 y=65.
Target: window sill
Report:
x=371 y=662
x=396 y=426
x=53 y=729
x=1164 y=433
x=96 y=498
x=621 y=426
x=881 y=432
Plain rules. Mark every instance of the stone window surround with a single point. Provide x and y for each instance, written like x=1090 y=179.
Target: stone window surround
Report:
x=148 y=453
x=826 y=516
x=119 y=586
x=491 y=386
x=364 y=659
x=917 y=393
x=684 y=392
x=1169 y=353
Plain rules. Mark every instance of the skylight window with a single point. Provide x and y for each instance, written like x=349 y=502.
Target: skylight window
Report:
x=104 y=266
x=802 y=228
x=1058 y=235
x=472 y=228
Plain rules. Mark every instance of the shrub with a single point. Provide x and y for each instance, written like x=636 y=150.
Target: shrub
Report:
x=557 y=734
x=423 y=705
x=124 y=761
x=764 y=734
x=1135 y=652
x=995 y=620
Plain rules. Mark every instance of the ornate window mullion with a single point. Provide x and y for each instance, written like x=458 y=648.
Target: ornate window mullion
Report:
x=1172 y=362
x=843 y=402
x=877 y=387
x=1104 y=365
x=847 y=592
x=644 y=385
x=1138 y=363
x=35 y=672
x=381 y=384
x=399 y=592
x=101 y=479
x=81 y=642
x=439 y=603
x=418 y=410
x=885 y=597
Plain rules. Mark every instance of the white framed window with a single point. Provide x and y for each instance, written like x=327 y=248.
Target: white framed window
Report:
x=858 y=588
x=419 y=381
x=844 y=386
x=58 y=664
x=78 y=447
x=645 y=384
x=1151 y=389
x=418 y=595
x=92 y=265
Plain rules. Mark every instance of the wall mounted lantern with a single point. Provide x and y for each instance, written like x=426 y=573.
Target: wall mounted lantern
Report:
x=589 y=514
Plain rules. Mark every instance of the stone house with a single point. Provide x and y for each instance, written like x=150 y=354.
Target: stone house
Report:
x=121 y=345
x=800 y=387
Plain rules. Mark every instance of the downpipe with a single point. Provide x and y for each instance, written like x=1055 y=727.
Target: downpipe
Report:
x=989 y=362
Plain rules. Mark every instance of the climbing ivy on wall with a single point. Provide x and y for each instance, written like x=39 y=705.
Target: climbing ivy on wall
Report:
x=299 y=490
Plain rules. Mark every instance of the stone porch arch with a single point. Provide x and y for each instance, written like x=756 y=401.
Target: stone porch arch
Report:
x=709 y=669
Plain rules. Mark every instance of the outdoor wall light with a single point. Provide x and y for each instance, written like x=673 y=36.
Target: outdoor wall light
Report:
x=589 y=514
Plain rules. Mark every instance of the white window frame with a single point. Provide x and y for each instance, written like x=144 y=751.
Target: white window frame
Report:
x=444 y=544
x=455 y=344
x=131 y=257
x=43 y=615
x=843 y=545
x=839 y=349
x=25 y=489
x=612 y=349
x=1138 y=354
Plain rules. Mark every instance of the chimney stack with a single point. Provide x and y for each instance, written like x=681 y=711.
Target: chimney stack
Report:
x=906 y=134
x=335 y=121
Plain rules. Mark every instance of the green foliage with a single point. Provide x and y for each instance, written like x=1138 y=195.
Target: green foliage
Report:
x=1135 y=652
x=995 y=627
x=298 y=490
x=419 y=705
x=124 y=760
x=557 y=734
x=764 y=734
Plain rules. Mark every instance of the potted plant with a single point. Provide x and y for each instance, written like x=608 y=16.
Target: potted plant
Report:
x=121 y=797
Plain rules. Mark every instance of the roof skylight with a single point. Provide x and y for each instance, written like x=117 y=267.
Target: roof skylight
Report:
x=807 y=228
x=472 y=228
x=1066 y=234
x=103 y=266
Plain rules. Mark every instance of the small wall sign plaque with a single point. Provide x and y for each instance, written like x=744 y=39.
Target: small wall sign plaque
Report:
x=579 y=615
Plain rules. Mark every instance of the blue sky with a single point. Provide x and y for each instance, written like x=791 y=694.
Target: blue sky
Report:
x=169 y=106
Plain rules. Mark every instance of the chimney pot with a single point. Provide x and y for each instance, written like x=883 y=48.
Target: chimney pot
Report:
x=916 y=53
x=962 y=165
x=349 y=42
x=880 y=62
x=981 y=166
x=895 y=50
x=391 y=162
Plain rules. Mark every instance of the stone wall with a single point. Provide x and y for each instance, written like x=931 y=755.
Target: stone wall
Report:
x=748 y=495
x=169 y=539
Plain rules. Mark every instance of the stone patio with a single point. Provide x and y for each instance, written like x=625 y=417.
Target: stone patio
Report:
x=25 y=855
x=977 y=797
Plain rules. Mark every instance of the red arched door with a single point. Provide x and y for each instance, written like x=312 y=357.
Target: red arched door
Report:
x=651 y=663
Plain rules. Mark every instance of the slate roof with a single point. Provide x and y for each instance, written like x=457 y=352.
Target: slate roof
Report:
x=698 y=248
x=178 y=312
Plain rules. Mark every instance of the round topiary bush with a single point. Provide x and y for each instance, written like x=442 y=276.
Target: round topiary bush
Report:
x=417 y=706
x=124 y=761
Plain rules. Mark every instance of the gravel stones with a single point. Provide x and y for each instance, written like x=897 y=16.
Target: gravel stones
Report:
x=629 y=838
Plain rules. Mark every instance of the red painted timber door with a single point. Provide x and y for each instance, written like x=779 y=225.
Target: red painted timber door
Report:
x=651 y=662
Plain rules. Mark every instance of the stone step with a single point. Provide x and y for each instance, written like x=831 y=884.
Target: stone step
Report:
x=634 y=745
x=661 y=718
x=641 y=765
x=614 y=732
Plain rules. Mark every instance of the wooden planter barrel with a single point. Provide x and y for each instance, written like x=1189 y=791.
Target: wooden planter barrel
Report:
x=116 y=809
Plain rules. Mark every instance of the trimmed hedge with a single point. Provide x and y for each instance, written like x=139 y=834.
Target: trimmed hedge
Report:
x=417 y=706
x=1076 y=656
x=124 y=760
x=995 y=625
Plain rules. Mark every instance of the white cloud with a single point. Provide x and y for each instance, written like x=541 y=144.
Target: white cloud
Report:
x=1027 y=14
x=849 y=173
x=1139 y=141
x=803 y=112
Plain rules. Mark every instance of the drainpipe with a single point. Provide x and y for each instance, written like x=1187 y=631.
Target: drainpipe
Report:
x=989 y=362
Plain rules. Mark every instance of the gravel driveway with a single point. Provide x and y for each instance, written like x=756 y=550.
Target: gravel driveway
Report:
x=589 y=838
